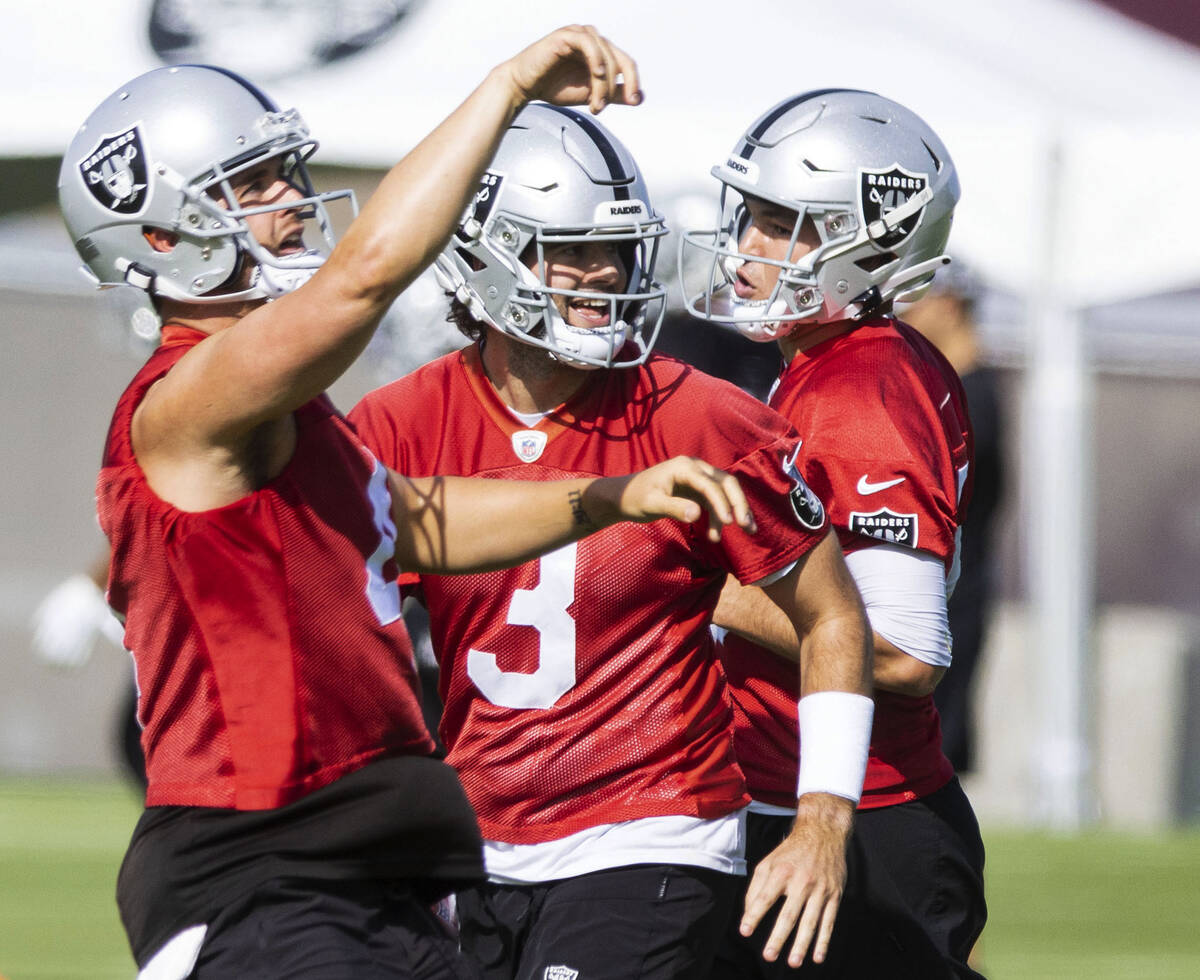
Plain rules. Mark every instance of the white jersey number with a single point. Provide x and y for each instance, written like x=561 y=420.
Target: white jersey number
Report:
x=543 y=607
x=384 y=596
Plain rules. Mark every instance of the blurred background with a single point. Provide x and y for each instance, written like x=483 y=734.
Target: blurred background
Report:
x=1075 y=128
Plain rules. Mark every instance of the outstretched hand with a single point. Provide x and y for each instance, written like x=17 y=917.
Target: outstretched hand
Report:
x=808 y=871
x=69 y=620
x=575 y=65
x=685 y=489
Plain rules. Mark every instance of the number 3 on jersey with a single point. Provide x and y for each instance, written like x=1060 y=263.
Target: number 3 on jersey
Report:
x=543 y=607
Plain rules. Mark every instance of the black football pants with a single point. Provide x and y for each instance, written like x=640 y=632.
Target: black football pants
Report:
x=913 y=906
x=643 y=922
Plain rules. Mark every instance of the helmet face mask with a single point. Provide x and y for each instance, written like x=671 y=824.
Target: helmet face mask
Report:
x=874 y=184
x=165 y=152
x=559 y=179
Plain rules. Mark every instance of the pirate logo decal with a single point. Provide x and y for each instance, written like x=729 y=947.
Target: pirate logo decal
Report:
x=476 y=216
x=886 y=525
x=115 y=172
x=806 y=505
x=880 y=192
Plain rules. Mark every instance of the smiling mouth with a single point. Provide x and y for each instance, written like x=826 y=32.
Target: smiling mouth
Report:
x=590 y=312
x=292 y=245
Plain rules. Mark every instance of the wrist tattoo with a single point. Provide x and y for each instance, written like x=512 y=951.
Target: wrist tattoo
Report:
x=577 y=511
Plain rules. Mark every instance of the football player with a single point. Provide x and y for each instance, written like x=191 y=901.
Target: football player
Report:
x=296 y=823
x=584 y=710
x=834 y=205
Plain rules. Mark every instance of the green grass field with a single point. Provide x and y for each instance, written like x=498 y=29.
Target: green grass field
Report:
x=1101 y=906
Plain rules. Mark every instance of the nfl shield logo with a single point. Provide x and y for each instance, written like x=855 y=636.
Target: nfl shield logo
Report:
x=115 y=172
x=528 y=444
x=880 y=192
x=559 y=973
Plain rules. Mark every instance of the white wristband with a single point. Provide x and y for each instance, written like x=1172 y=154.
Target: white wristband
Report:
x=835 y=735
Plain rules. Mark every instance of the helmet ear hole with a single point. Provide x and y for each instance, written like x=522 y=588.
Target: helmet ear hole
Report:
x=160 y=239
x=873 y=262
x=472 y=262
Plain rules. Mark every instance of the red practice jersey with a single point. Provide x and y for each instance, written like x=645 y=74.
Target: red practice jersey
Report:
x=887 y=446
x=271 y=657
x=582 y=689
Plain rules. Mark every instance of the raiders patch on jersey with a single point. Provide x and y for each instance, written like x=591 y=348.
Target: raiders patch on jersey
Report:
x=806 y=505
x=886 y=525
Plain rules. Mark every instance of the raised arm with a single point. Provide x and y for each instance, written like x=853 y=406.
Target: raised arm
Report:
x=460 y=524
x=283 y=353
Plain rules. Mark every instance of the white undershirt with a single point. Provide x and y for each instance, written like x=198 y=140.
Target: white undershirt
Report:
x=718 y=844
x=905 y=595
x=528 y=419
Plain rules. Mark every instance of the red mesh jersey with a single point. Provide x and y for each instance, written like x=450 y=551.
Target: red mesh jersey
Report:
x=581 y=689
x=886 y=446
x=264 y=669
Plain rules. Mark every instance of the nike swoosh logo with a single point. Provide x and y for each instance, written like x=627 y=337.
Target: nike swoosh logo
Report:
x=865 y=487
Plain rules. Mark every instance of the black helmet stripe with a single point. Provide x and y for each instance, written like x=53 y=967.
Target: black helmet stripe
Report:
x=265 y=100
x=769 y=119
x=620 y=179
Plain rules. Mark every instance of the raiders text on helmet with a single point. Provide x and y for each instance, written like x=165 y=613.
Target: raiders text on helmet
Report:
x=558 y=177
x=878 y=186
x=159 y=153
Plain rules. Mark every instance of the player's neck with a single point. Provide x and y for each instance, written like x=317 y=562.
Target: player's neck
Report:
x=208 y=318
x=807 y=336
x=527 y=378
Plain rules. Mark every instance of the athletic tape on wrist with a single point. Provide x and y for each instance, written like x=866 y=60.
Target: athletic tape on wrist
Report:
x=835 y=734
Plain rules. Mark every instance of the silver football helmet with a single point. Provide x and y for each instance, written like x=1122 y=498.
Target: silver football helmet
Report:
x=558 y=176
x=160 y=152
x=872 y=177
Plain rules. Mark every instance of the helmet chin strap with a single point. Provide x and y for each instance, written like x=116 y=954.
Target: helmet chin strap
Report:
x=275 y=281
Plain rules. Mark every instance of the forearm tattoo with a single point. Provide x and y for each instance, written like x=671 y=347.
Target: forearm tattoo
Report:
x=577 y=511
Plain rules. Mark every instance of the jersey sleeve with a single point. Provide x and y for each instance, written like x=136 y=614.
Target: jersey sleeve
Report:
x=875 y=450
x=377 y=430
x=375 y=424
x=791 y=519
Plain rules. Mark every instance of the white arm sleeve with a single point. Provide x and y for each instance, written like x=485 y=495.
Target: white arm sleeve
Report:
x=905 y=595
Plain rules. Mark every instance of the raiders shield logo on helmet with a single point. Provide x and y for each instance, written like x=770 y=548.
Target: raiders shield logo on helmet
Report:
x=115 y=172
x=806 y=505
x=880 y=192
x=484 y=199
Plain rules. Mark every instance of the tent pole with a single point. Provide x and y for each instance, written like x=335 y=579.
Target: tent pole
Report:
x=1058 y=498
